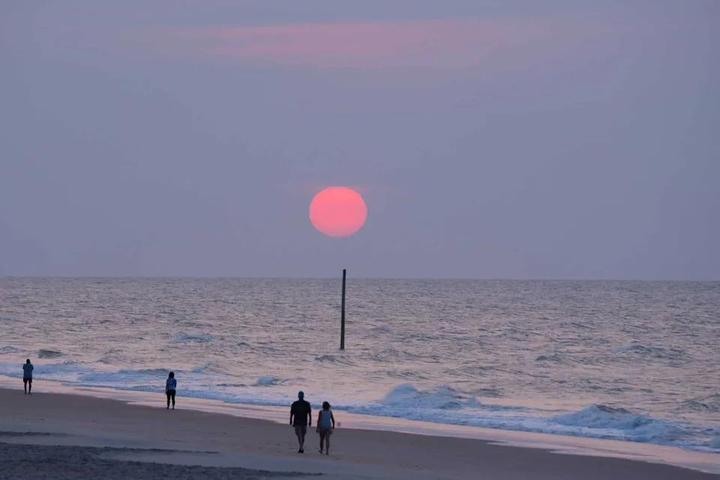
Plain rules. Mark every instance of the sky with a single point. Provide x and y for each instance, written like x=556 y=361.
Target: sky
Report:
x=489 y=139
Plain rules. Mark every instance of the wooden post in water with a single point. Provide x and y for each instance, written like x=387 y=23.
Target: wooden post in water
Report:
x=342 y=313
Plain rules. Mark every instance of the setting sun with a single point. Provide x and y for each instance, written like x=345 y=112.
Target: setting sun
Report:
x=338 y=211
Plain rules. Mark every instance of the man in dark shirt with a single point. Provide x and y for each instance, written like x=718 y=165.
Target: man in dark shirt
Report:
x=300 y=418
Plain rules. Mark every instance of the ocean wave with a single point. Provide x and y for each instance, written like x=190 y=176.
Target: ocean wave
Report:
x=112 y=356
x=487 y=392
x=125 y=377
x=211 y=367
x=710 y=403
x=394 y=355
x=269 y=380
x=552 y=357
x=8 y=349
x=380 y=329
x=64 y=371
x=183 y=337
x=443 y=398
x=613 y=422
x=42 y=353
x=145 y=371
x=338 y=359
x=652 y=351
x=447 y=405
x=406 y=374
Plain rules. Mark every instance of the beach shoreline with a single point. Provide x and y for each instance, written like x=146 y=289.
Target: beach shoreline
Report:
x=69 y=416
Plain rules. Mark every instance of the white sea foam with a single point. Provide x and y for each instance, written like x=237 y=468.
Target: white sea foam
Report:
x=443 y=398
x=610 y=422
x=268 y=380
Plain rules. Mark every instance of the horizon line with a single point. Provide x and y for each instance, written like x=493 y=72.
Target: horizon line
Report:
x=419 y=278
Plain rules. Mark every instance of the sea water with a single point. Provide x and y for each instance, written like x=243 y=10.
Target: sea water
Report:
x=626 y=360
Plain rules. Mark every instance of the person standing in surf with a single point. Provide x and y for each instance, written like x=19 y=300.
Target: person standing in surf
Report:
x=325 y=426
x=27 y=376
x=170 y=388
x=301 y=418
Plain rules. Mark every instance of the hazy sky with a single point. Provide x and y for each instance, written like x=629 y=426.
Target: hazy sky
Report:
x=498 y=139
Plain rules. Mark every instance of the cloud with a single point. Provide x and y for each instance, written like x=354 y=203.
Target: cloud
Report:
x=442 y=43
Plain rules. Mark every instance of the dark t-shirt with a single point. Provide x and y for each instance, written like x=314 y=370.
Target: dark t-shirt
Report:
x=300 y=410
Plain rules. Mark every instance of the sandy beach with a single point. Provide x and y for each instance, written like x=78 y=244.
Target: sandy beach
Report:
x=63 y=436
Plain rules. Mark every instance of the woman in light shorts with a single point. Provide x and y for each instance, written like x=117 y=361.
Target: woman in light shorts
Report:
x=325 y=427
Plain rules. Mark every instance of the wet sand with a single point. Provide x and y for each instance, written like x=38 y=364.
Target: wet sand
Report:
x=36 y=462
x=51 y=435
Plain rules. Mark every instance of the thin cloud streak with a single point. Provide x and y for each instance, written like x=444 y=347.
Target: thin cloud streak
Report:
x=443 y=43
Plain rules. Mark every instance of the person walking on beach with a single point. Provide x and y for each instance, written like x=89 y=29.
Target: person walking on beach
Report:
x=325 y=426
x=301 y=418
x=27 y=376
x=170 y=387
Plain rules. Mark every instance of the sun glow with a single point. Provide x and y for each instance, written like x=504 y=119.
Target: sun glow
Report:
x=338 y=211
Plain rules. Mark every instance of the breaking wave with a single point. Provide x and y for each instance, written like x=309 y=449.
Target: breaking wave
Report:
x=611 y=422
x=448 y=405
x=268 y=381
x=443 y=398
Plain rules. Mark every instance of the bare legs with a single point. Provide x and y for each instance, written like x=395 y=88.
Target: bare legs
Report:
x=170 y=398
x=325 y=441
x=27 y=385
x=300 y=432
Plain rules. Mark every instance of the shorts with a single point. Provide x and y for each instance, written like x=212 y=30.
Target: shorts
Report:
x=324 y=430
x=300 y=429
x=27 y=380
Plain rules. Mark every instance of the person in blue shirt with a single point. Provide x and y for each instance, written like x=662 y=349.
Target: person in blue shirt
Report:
x=27 y=376
x=170 y=388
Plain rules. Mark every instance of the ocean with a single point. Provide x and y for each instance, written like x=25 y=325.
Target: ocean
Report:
x=626 y=360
